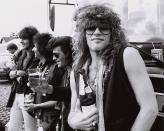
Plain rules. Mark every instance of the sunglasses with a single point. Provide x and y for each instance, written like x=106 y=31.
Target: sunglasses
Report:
x=103 y=30
x=56 y=55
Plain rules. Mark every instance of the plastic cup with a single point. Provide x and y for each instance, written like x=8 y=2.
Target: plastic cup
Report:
x=34 y=76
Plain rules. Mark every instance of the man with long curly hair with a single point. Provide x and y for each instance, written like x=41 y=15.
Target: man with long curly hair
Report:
x=111 y=90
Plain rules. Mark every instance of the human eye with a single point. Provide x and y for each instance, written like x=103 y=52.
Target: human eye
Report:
x=90 y=30
x=56 y=55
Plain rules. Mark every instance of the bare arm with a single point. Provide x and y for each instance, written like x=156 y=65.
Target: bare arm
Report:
x=48 y=104
x=45 y=104
x=74 y=99
x=143 y=89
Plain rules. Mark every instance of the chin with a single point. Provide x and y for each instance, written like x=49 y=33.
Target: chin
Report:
x=97 y=49
x=59 y=65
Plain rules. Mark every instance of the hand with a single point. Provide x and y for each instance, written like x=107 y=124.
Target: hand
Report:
x=13 y=74
x=30 y=107
x=83 y=120
x=21 y=73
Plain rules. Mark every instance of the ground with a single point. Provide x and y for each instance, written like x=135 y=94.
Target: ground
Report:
x=4 y=112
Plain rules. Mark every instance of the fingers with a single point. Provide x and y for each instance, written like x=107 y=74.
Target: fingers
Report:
x=21 y=72
x=88 y=122
x=90 y=114
x=77 y=122
x=84 y=120
x=29 y=107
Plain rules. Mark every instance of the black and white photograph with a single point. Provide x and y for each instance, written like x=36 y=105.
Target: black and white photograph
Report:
x=81 y=65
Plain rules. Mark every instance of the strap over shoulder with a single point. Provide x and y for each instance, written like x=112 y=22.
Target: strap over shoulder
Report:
x=76 y=76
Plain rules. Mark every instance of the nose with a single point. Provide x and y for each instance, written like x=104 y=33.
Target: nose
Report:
x=97 y=31
x=54 y=57
x=34 y=49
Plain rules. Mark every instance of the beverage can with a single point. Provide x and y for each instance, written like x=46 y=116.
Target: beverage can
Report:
x=157 y=53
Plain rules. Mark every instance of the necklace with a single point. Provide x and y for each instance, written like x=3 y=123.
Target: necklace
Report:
x=92 y=78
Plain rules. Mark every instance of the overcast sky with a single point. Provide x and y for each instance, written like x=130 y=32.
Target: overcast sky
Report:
x=142 y=14
x=15 y=14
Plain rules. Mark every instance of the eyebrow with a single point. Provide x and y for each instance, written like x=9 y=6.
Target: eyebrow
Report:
x=56 y=54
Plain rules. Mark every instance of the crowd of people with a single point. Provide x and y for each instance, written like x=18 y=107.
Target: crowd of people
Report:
x=93 y=82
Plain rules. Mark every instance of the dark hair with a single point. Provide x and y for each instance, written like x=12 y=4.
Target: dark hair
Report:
x=96 y=15
x=12 y=46
x=65 y=42
x=41 y=41
x=28 y=33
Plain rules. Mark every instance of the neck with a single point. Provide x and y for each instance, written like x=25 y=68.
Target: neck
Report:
x=95 y=59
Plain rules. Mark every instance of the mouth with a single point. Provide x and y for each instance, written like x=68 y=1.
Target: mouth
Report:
x=98 y=39
x=58 y=62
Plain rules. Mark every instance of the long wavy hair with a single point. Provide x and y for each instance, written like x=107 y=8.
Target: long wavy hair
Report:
x=41 y=40
x=94 y=15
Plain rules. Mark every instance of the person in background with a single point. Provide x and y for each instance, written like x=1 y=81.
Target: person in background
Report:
x=62 y=54
x=58 y=90
x=13 y=50
x=19 y=88
x=111 y=90
x=44 y=105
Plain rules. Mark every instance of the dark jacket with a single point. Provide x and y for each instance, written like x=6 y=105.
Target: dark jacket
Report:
x=62 y=93
x=30 y=63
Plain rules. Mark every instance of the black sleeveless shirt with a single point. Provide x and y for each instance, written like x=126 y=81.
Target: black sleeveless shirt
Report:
x=120 y=105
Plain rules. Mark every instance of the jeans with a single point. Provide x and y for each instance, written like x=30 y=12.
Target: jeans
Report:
x=18 y=116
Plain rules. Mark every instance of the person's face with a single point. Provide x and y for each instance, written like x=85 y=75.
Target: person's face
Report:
x=37 y=54
x=97 y=38
x=11 y=51
x=59 y=57
x=25 y=43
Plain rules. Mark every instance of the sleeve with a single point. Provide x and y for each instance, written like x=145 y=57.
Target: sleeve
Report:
x=61 y=89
